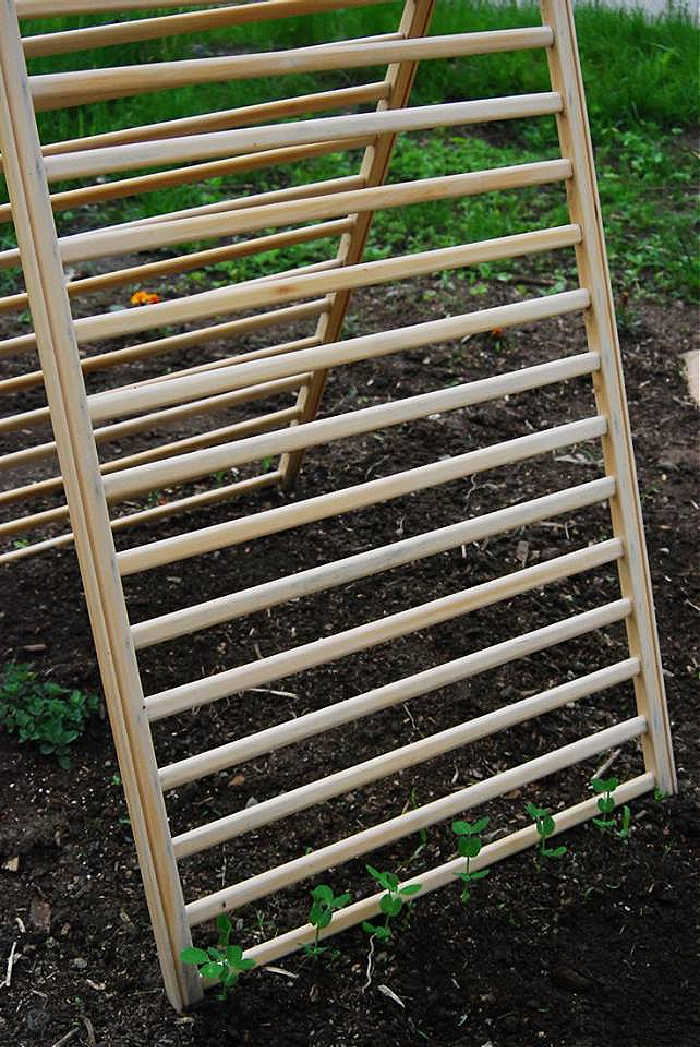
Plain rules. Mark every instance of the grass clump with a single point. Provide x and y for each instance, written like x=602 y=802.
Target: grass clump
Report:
x=641 y=83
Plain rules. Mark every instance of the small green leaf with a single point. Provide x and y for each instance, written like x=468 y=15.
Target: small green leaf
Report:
x=469 y=846
x=323 y=893
x=368 y=927
x=411 y=888
x=606 y=805
x=390 y=904
x=376 y=875
x=213 y=971
x=193 y=956
x=461 y=828
x=479 y=875
x=340 y=901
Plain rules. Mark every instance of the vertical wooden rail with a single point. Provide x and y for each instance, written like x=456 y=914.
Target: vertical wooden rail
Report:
x=415 y=22
x=584 y=206
x=53 y=323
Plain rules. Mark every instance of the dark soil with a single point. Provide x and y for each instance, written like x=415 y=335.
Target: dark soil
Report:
x=598 y=949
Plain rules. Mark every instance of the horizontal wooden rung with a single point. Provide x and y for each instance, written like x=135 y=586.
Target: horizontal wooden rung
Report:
x=324 y=789
x=292 y=285
x=360 y=638
x=158 y=512
x=52 y=91
x=308 y=725
x=263 y=212
x=305 y=132
x=340 y=427
x=377 y=836
x=157 y=28
x=55 y=8
x=385 y=558
x=332 y=354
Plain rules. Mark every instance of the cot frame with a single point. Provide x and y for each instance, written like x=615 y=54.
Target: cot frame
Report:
x=28 y=169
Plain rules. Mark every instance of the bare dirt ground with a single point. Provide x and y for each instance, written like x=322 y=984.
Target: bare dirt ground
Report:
x=599 y=949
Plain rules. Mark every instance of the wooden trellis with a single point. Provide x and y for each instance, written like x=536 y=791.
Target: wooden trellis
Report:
x=218 y=144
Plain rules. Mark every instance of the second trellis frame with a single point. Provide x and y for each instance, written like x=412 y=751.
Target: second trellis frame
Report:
x=344 y=208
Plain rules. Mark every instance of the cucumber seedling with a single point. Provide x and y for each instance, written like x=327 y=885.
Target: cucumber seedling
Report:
x=324 y=904
x=469 y=846
x=391 y=902
x=544 y=823
x=223 y=963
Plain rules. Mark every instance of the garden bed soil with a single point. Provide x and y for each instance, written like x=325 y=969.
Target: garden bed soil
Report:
x=597 y=950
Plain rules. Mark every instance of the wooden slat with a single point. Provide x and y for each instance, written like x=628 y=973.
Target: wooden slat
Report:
x=268 y=811
x=201 y=500
x=327 y=200
x=113 y=403
x=159 y=452
x=224 y=119
x=411 y=822
x=304 y=132
x=344 y=426
x=311 y=510
x=291 y=285
x=385 y=558
x=331 y=648
x=157 y=420
x=270 y=739
x=56 y=8
x=157 y=28
x=116 y=239
x=193 y=173
x=444 y=875
x=52 y=91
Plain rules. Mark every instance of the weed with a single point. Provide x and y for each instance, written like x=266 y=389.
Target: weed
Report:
x=469 y=846
x=43 y=712
x=223 y=963
x=544 y=823
x=324 y=904
x=391 y=903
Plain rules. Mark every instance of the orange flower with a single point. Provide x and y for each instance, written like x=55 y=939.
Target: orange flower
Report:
x=145 y=298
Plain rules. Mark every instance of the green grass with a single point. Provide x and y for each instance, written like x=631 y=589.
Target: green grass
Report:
x=641 y=82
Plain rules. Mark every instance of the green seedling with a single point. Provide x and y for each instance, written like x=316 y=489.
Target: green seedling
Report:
x=544 y=823
x=43 y=712
x=469 y=846
x=323 y=905
x=223 y=963
x=390 y=903
x=604 y=788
